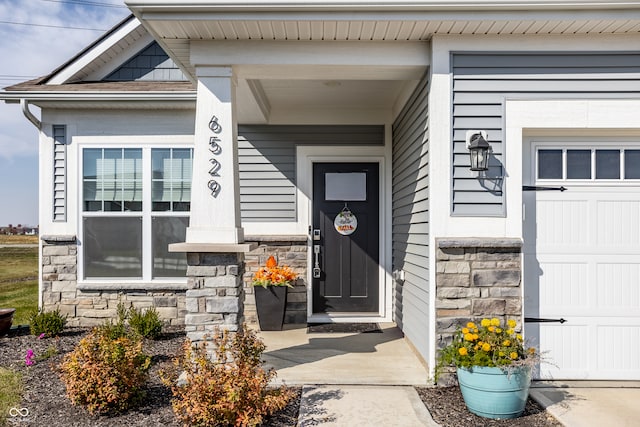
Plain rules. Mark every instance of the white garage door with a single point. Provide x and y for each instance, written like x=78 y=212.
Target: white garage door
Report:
x=582 y=259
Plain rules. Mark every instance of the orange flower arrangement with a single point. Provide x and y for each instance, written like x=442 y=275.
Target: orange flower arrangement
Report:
x=272 y=275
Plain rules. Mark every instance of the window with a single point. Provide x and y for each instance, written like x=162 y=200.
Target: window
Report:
x=601 y=163
x=123 y=208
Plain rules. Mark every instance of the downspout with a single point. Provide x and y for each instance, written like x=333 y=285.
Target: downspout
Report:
x=28 y=114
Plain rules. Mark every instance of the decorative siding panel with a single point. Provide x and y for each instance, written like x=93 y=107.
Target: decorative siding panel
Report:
x=481 y=83
x=410 y=230
x=152 y=63
x=267 y=164
x=59 y=173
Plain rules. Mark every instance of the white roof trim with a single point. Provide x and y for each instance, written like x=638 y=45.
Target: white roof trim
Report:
x=67 y=73
x=36 y=96
x=324 y=5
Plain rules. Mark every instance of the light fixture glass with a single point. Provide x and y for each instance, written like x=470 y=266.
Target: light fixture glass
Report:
x=479 y=152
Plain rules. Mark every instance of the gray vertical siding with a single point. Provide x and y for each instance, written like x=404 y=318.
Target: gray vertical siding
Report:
x=410 y=200
x=267 y=164
x=59 y=173
x=481 y=83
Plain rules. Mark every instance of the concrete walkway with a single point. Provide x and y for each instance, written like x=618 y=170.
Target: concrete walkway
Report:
x=590 y=403
x=366 y=379
x=362 y=406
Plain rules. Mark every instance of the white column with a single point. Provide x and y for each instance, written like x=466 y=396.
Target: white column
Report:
x=215 y=196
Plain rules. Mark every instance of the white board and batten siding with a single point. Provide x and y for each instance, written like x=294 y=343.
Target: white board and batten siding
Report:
x=481 y=83
x=410 y=233
x=267 y=164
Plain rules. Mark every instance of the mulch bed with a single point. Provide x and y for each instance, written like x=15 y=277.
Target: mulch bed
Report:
x=447 y=408
x=44 y=394
x=45 y=399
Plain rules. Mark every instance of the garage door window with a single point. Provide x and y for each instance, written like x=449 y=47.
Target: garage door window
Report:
x=588 y=164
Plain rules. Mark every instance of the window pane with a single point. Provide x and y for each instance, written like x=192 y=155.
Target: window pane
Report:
x=607 y=164
x=111 y=164
x=166 y=230
x=550 y=164
x=112 y=247
x=578 y=164
x=158 y=158
x=632 y=164
x=171 y=178
x=90 y=160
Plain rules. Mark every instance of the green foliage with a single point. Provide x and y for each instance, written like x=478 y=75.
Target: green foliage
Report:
x=146 y=323
x=10 y=392
x=117 y=329
x=230 y=390
x=106 y=374
x=50 y=323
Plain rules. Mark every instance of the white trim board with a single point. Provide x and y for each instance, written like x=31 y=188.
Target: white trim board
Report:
x=306 y=156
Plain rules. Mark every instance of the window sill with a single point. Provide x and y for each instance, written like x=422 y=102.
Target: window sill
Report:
x=132 y=286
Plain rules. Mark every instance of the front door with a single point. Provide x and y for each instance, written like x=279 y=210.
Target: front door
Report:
x=346 y=235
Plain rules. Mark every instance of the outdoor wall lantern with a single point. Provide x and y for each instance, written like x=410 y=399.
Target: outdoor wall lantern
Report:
x=479 y=150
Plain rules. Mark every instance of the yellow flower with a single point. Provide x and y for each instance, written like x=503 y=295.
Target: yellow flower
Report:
x=468 y=337
x=531 y=350
x=495 y=322
x=510 y=331
x=486 y=346
x=465 y=330
x=498 y=330
x=511 y=323
x=471 y=325
x=462 y=351
x=501 y=353
x=475 y=336
x=485 y=322
x=492 y=329
x=506 y=343
x=513 y=355
x=475 y=330
x=519 y=337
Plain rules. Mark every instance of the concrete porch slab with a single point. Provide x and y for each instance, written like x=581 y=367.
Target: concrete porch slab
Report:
x=342 y=358
x=590 y=403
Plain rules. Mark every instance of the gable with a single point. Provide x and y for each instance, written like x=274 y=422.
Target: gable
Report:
x=150 y=64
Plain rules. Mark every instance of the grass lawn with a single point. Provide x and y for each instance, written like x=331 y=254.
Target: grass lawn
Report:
x=19 y=281
x=10 y=392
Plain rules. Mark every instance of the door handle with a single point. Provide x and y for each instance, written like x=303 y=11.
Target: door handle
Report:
x=316 y=266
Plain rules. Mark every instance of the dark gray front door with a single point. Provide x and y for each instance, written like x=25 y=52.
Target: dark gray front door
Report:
x=348 y=264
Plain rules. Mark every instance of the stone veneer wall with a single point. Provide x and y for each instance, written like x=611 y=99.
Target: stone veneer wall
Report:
x=288 y=250
x=93 y=304
x=476 y=278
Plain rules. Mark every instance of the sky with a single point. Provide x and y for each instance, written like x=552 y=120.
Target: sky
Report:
x=33 y=45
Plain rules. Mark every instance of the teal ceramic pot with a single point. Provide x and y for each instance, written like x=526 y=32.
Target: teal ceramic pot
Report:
x=493 y=392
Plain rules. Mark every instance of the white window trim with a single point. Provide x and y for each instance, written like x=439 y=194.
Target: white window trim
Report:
x=306 y=156
x=146 y=143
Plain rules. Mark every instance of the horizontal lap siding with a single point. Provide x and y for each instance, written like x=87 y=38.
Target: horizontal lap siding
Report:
x=267 y=164
x=482 y=81
x=411 y=219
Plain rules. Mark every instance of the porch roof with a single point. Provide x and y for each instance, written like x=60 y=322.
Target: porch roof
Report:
x=175 y=23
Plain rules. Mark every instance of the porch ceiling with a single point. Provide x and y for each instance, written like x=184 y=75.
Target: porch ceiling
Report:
x=177 y=24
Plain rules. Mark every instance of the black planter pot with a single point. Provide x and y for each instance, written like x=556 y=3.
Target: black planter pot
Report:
x=270 y=304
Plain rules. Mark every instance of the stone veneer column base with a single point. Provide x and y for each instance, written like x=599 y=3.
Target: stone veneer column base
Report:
x=215 y=297
x=476 y=278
